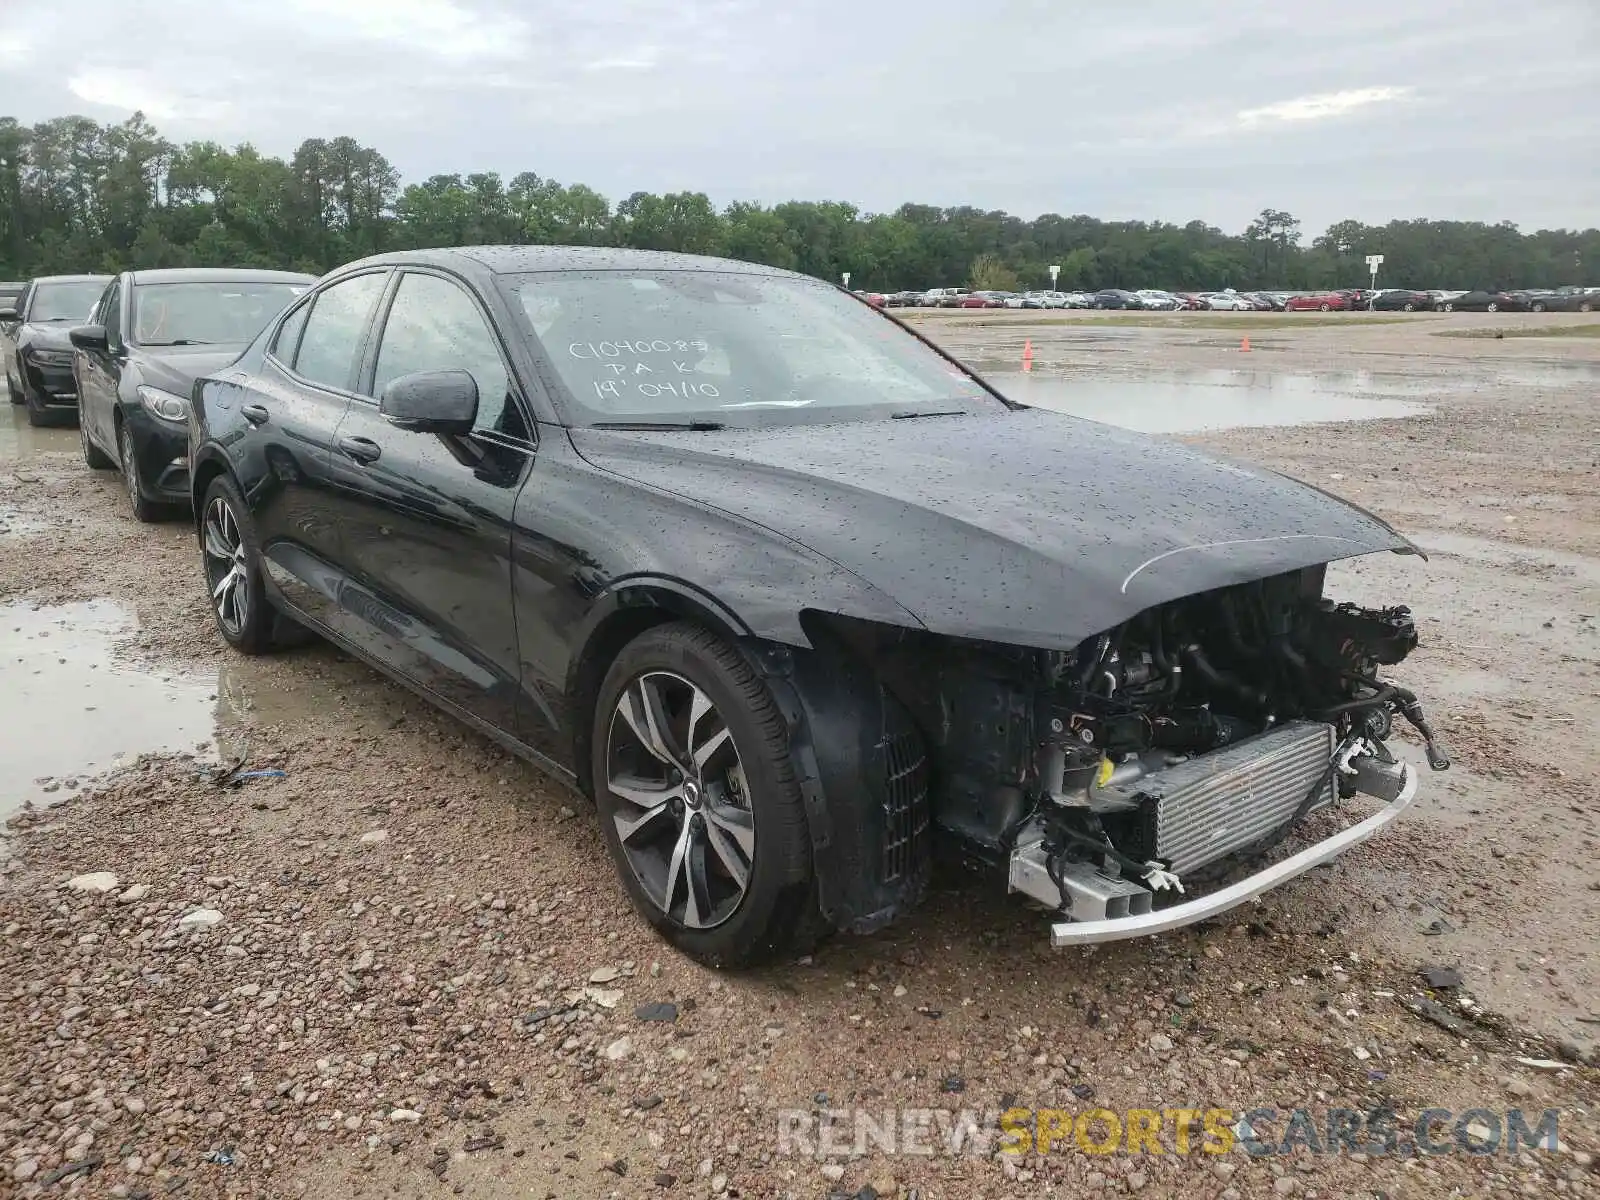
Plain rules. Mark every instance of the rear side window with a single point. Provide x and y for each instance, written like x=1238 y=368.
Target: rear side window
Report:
x=331 y=341
x=287 y=340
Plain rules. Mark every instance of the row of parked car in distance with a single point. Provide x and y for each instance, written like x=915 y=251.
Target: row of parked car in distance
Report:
x=1567 y=299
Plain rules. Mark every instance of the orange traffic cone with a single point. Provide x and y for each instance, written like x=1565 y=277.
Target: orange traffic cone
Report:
x=1244 y=345
x=1027 y=354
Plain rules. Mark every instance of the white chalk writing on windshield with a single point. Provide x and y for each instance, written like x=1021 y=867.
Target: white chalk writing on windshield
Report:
x=597 y=350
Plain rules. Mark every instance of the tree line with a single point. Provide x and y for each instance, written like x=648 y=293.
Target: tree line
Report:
x=76 y=195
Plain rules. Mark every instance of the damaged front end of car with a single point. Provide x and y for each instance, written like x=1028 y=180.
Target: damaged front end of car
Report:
x=1117 y=783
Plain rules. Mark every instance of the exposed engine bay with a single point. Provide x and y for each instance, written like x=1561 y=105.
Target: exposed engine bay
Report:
x=1108 y=779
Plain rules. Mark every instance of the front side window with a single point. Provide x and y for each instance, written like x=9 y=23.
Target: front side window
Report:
x=433 y=325
x=65 y=301
x=331 y=342
x=670 y=346
x=195 y=314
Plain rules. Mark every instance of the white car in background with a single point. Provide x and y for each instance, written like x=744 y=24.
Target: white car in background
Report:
x=1158 y=301
x=1226 y=302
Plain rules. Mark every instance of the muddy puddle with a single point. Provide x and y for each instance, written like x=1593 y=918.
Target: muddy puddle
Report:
x=1202 y=401
x=69 y=710
x=20 y=441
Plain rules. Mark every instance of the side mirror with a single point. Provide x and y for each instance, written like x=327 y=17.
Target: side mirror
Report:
x=90 y=337
x=9 y=313
x=443 y=402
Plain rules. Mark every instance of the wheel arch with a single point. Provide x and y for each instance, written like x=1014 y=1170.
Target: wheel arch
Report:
x=209 y=463
x=621 y=614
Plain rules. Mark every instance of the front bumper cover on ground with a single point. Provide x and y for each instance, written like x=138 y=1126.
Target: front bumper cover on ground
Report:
x=1074 y=933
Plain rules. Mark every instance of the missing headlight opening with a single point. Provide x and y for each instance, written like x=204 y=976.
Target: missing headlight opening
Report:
x=1118 y=783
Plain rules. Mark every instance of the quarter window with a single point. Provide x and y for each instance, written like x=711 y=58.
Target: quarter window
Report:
x=434 y=325
x=332 y=337
x=287 y=340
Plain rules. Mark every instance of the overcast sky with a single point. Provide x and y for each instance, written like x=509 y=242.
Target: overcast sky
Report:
x=1152 y=109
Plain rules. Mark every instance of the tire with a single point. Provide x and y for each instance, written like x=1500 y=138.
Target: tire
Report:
x=737 y=805
x=1537 y=307
x=1493 y=307
x=1410 y=307
x=39 y=416
x=144 y=509
x=248 y=627
x=1324 y=308
x=1586 y=306
x=1449 y=307
x=12 y=392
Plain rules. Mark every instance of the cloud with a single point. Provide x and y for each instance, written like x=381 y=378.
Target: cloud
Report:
x=130 y=90
x=1158 y=111
x=1323 y=106
x=437 y=27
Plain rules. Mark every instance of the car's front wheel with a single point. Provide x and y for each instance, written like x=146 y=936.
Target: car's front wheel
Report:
x=1538 y=306
x=1449 y=307
x=144 y=509
x=1493 y=306
x=698 y=800
x=1324 y=308
x=232 y=561
x=1410 y=307
x=13 y=392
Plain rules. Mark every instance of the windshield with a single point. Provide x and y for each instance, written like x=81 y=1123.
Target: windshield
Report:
x=65 y=301
x=669 y=347
x=192 y=314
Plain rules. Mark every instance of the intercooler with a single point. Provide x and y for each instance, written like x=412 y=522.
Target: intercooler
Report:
x=1212 y=805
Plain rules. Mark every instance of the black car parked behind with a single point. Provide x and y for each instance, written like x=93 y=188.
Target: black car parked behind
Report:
x=152 y=334
x=35 y=348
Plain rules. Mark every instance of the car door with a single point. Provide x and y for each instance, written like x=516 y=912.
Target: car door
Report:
x=99 y=371
x=426 y=519
x=289 y=411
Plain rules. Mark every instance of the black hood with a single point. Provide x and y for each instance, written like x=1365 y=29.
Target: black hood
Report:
x=1025 y=527
x=47 y=335
x=175 y=368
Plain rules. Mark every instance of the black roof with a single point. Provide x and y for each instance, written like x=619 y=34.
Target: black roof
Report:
x=220 y=275
x=511 y=260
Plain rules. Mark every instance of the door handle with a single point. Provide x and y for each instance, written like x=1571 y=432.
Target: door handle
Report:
x=363 y=450
x=255 y=414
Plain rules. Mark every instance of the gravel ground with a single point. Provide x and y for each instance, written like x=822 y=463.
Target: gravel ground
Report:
x=405 y=968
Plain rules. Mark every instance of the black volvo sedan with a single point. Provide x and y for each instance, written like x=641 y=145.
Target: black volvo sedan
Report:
x=150 y=336
x=797 y=599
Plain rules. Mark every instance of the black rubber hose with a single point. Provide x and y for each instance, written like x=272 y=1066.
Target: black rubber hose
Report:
x=1221 y=679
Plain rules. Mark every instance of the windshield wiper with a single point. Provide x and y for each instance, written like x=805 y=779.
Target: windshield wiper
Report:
x=181 y=342
x=912 y=415
x=692 y=426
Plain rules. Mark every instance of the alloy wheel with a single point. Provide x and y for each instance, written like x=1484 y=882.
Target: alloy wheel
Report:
x=681 y=799
x=227 y=567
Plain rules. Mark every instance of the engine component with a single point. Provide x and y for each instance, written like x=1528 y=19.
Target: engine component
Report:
x=1205 y=808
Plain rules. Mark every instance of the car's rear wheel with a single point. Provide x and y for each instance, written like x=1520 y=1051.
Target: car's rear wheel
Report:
x=1324 y=308
x=1493 y=307
x=698 y=800
x=232 y=562
x=1538 y=306
x=1586 y=306
x=143 y=508
x=1449 y=307
x=1410 y=307
x=97 y=458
